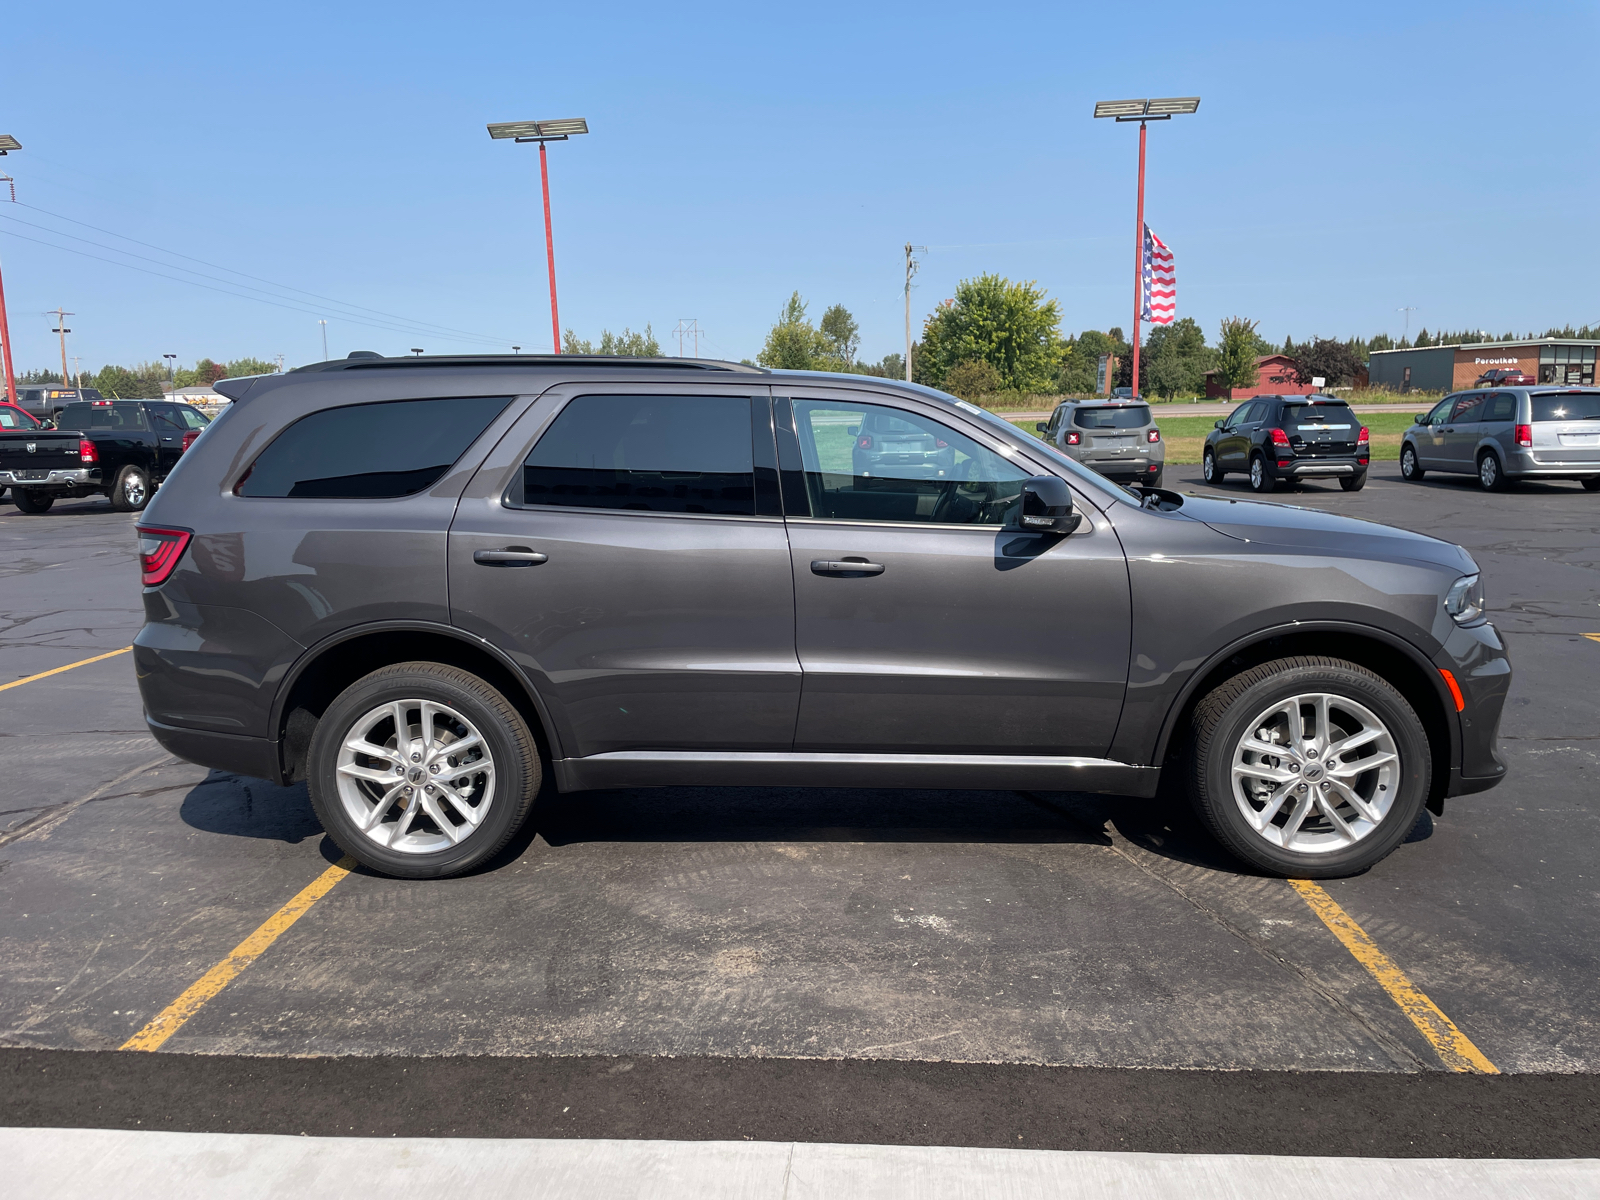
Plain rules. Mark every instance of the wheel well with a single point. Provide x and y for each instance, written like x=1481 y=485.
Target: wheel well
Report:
x=340 y=665
x=1382 y=659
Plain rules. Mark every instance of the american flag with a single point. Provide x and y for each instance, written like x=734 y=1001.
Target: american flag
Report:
x=1160 y=281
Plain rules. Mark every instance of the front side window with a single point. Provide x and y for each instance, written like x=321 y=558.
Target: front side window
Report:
x=192 y=418
x=670 y=454
x=165 y=418
x=15 y=418
x=369 y=451
x=868 y=462
x=1468 y=408
x=123 y=417
x=1133 y=416
x=1437 y=414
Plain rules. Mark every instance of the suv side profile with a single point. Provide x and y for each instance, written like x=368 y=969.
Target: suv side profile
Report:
x=426 y=586
x=1278 y=440
x=1503 y=435
x=1117 y=438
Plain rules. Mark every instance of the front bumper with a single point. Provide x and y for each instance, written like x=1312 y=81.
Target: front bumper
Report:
x=1477 y=658
x=61 y=478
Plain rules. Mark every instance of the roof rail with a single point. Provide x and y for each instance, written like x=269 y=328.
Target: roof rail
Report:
x=366 y=360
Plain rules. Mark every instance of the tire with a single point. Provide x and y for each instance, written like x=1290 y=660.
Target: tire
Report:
x=350 y=789
x=1155 y=480
x=1592 y=484
x=131 y=491
x=1491 y=477
x=1225 y=724
x=1410 y=469
x=1260 y=481
x=1354 y=483
x=31 y=500
x=1208 y=468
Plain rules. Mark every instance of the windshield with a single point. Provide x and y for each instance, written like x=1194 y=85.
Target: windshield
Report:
x=1123 y=416
x=1566 y=408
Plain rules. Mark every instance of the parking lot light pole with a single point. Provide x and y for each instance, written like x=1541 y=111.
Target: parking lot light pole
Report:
x=1142 y=111
x=7 y=144
x=542 y=132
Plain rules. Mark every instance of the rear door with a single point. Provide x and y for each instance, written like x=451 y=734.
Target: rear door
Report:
x=1497 y=425
x=625 y=546
x=1321 y=430
x=1566 y=428
x=168 y=426
x=922 y=622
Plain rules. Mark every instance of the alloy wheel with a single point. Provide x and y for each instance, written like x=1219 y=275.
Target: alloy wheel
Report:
x=1488 y=472
x=1208 y=466
x=1258 y=474
x=1408 y=462
x=1315 y=773
x=415 y=776
x=133 y=490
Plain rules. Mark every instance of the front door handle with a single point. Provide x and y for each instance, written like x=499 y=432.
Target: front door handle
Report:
x=511 y=556
x=1448 y=429
x=848 y=566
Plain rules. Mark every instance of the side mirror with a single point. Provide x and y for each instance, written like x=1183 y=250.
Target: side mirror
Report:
x=1422 y=418
x=1047 y=506
x=1041 y=426
x=1217 y=425
x=853 y=430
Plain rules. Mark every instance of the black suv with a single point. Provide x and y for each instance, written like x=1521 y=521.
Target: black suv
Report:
x=1277 y=440
x=426 y=585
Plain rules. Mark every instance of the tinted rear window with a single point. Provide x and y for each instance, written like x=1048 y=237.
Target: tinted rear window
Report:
x=681 y=454
x=1318 y=414
x=1566 y=408
x=1132 y=416
x=371 y=451
x=127 y=417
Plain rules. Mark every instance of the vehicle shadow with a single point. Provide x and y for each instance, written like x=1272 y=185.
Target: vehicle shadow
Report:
x=238 y=806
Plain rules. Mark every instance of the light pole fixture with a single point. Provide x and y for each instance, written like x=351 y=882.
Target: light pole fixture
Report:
x=542 y=132
x=7 y=144
x=1142 y=111
x=516 y=349
x=417 y=350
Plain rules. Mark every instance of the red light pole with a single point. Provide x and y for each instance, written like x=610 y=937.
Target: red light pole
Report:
x=1142 y=111
x=542 y=132
x=8 y=144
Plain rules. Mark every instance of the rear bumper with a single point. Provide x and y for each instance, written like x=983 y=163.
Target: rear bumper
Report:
x=1530 y=464
x=256 y=758
x=1316 y=468
x=65 y=478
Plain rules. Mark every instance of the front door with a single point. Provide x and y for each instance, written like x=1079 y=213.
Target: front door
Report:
x=1461 y=433
x=1429 y=440
x=923 y=623
x=1233 y=447
x=630 y=557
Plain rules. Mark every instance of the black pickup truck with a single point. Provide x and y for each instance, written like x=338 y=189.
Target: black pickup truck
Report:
x=121 y=449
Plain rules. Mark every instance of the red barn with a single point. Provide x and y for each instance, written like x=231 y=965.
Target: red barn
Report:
x=1275 y=376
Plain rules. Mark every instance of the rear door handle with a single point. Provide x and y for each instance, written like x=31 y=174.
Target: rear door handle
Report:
x=848 y=566
x=512 y=556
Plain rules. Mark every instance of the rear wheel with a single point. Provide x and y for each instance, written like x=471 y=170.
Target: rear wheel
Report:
x=131 y=491
x=1155 y=480
x=1592 y=484
x=31 y=500
x=1490 y=475
x=1354 y=483
x=1209 y=468
x=421 y=770
x=1410 y=469
x=1260 y=481
x=1309 y=767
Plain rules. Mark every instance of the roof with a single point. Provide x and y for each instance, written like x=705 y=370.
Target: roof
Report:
x=1498 y=345
x=366 y=360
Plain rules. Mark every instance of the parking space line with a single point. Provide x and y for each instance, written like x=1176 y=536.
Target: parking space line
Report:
x=1593 y=637
x=1453 y=1046
x=58 y=670
x=170 y=1019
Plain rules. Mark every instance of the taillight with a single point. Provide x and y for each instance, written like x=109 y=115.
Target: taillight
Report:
x=86 y=451
x=1280 y=438
x=159 y=552
x=940 y=444
x=1074 y=438
x=864 y=442
x=1524 y=435
x=1365 y=438
x=189 y=437
x=1153 y=436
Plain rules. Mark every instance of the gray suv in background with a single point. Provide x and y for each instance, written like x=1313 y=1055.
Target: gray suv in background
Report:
x=1118 y=438
x=429 y=586
x=1505 y=434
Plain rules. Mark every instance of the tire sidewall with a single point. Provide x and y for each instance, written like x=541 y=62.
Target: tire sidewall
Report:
x=1488 y=463
x=1215 y=774
x=517 y=777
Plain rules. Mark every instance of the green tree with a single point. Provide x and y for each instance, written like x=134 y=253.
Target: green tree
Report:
x=972 y=380
x=840 y=331
x=1175 y=360
x=626 y=344
x=1010 y=326
x=1237 y=351
x=39 y=377
x=1326 y=359
x=795 y=344
x=249 y=366
x=119 y=383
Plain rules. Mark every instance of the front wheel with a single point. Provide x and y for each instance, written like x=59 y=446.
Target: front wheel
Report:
x=31 y=500
x=1410 y=469
x=131 y=491
x=1490 y=476
x=1309 y=767
x=1208 y=468
x=421 y=770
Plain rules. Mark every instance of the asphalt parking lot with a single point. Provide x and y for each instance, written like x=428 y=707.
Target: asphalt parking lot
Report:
x=898 y=939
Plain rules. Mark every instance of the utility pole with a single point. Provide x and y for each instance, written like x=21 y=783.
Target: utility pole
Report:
x=172 y=372
x=77 y=373
x=61 y=328
x=1408 y=310
x=688 y=327
x=911 y=269
x=324 y=325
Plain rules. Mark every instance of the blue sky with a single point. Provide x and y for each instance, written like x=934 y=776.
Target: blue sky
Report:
x=1347 y=160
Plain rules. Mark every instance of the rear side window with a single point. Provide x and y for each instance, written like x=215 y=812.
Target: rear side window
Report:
x=1134 y=416
x=125 y=417
x=1502 y=407
x=1566 y=408
x=672 y=454
x=370 y=451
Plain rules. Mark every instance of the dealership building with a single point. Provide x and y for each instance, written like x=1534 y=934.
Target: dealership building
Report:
x=1451 y=368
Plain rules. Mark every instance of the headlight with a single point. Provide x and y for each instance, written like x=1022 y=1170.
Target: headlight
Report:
x=1464 y=602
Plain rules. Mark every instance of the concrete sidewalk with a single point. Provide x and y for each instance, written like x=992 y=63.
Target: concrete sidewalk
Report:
x=66 y=1164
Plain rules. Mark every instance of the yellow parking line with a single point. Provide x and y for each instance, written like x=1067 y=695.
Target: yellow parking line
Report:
x=1593 y=637
x=58 y=670
x=170 y=1019
x=1454 y=1047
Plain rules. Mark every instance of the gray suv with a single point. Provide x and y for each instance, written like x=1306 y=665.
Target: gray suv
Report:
x=428 y=587
x=1505 y=434
x=1115 y=437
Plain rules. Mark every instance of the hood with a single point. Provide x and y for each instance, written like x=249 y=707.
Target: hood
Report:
x=1269 y=524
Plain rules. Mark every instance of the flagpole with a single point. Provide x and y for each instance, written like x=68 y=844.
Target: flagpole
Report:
x=1138 y=264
